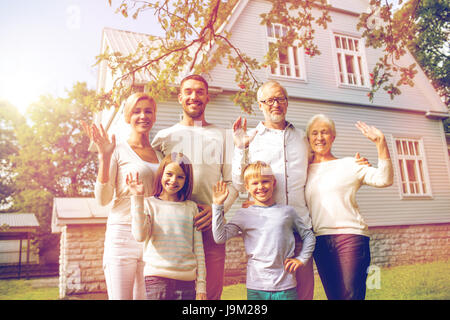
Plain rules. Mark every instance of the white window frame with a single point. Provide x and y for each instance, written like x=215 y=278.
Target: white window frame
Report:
x=353 y=47
x=295 y=68
x=411 y=149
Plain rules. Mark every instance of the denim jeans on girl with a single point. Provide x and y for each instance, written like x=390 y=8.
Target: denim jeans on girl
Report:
x=342 y=261
x=159 y=288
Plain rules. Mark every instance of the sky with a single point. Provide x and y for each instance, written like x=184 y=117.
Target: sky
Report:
x=49 y=45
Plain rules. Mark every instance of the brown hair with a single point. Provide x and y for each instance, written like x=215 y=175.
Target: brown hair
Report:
x=185 y=165
x=194 y=77
x=133 y=100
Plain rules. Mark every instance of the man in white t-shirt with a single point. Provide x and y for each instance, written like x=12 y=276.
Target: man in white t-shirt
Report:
x=205 y=145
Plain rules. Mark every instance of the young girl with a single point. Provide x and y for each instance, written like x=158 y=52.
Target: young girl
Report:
x=173 y=248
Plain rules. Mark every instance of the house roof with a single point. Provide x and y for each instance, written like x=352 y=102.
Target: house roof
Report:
x=14 y=220
x=68 y=211
x=128 y=42
x=18 y=223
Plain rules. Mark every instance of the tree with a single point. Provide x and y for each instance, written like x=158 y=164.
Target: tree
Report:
x=52 y=159
x=9 y=118
x=194 y=41
x=430 y=46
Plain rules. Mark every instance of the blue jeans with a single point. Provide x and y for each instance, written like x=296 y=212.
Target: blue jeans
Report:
x=290 y=294
x=342 y=261
x=159 y=288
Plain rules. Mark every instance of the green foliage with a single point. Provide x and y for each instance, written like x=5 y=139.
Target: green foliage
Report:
x=52 y=158
x=195 y=41
x=430 y=45
x=9 y=117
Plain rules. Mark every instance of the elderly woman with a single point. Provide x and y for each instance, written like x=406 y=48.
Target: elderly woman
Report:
x=342 y=252
x=123 y=256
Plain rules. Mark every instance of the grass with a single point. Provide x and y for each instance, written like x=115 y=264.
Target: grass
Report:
x=27 y=290
x=430 y=281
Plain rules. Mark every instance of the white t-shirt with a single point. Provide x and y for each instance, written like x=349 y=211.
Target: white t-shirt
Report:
x=206 y=147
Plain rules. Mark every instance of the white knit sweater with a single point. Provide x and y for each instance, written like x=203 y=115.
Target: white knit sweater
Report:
x=331 y=194
x=173 y=248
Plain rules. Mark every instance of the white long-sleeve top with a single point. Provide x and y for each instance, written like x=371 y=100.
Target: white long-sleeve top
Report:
x=206 y=147
x=286 y=151
x=173 y=248
x=331 y=194
x=123 y=161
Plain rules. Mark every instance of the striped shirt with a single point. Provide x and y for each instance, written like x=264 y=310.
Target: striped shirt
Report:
x=173 y=248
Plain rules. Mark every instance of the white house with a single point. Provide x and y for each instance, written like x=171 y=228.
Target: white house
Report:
x=409 y=221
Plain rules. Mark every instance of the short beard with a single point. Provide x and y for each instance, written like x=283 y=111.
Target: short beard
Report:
x=193 y=114
x=274 y=118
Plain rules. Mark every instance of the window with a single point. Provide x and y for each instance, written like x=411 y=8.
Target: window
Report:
x=290 y=59
x=350 y=60
x=412 y=167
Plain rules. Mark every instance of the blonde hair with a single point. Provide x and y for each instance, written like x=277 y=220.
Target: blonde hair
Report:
x=324 y=118
x=131 y=102
x=256 y=170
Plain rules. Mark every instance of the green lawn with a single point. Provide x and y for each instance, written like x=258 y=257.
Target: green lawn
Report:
x=429 y=281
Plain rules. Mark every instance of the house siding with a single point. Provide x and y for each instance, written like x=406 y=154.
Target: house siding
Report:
x=321 y=71
x=392 y=210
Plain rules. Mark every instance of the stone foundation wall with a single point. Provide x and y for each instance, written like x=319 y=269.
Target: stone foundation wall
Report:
x=389 y=246
x=402 y=245
x=80 y=261
x=81 y=254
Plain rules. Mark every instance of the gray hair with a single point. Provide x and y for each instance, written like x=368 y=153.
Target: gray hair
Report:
x=321 y=117
x=270 y=83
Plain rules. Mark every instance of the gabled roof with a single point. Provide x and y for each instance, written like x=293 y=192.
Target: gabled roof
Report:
x=126 y=42
x=68 y=211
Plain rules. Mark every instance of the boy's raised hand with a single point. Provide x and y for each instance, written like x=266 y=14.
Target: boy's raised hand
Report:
x=220 y=192
x=136 y=187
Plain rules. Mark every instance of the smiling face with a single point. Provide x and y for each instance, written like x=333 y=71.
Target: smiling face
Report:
x=261 y=188
x=142 y=116
x=193 y=97
x=321 y=137
x=172 y=180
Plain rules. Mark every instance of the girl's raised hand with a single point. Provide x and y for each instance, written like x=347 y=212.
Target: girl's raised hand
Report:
x=136 y=187
x=220 y=192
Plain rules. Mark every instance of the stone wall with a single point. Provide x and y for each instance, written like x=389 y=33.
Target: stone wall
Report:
x=389 y=246
x=82 y=253
x=402 y=245
x=80 y=261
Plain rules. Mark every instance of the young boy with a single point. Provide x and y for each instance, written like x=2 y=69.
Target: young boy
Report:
x=267 y=229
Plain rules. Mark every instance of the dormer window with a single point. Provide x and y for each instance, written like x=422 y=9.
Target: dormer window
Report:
x=351 y=61
x=290 y=59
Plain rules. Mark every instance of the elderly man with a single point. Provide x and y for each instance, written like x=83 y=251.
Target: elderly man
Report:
x=205 y=145
x=285 y=148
